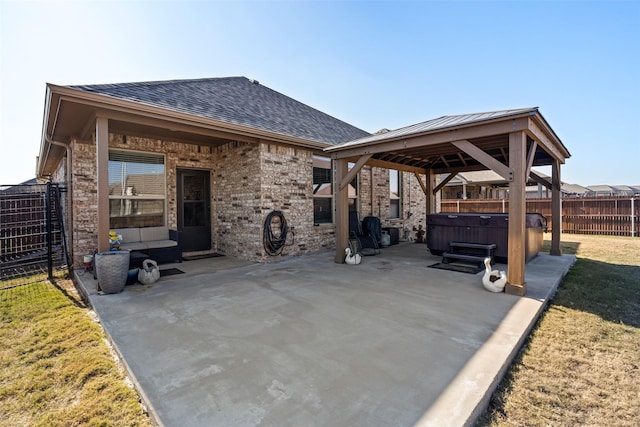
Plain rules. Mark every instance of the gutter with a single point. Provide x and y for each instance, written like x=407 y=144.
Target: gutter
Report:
x=44 y=150
x=47 y=141
x=50 y=141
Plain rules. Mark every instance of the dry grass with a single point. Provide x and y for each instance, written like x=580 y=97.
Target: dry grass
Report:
x=56 y=368
x=581 y=366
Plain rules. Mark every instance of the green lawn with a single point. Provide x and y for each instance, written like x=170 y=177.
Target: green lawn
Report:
x=581 y=364
x=56 y=368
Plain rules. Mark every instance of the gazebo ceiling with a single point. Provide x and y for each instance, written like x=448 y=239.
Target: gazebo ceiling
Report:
x=446 y=158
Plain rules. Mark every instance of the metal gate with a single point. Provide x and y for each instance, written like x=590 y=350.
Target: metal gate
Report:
x=33 y=244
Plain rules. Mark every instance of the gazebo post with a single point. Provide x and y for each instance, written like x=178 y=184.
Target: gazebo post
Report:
x=556 y=208
x=102 y=179
x=429 y=193
x=342 y=208
x=517 y=209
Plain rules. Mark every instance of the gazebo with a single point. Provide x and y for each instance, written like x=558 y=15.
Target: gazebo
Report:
x=509 y=142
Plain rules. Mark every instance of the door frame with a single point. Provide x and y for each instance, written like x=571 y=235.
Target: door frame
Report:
x=205 y=173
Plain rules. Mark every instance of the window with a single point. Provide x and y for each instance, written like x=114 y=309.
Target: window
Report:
x=353 y=191
x=395 y=193
x=322 y=190
x=137 y=189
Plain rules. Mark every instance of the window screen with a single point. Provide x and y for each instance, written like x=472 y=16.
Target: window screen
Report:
x=137 y=189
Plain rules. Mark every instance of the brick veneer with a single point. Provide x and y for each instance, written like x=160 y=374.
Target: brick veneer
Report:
x=247 y=182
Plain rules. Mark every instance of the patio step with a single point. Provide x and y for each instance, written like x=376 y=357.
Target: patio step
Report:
x=487 y=246
x=474 y=253
x=448 y=256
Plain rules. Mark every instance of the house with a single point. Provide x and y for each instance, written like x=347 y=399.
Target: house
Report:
x=476 y=185
x=210 y=158
x=14 y=188
x=490 y=185
x=612 y=190
x=215 y=158
x=573 y=190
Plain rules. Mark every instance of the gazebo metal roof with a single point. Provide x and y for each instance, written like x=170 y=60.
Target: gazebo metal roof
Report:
x=427 y=145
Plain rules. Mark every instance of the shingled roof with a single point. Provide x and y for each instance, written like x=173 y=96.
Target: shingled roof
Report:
x=236 y=100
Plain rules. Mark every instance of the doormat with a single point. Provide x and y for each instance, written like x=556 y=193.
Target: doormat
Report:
x=201 y=256
x=471 y=269
x=170 y=272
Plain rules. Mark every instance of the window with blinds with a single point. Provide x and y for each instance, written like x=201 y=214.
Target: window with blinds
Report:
x=323 y=190
x=395 y=194
x=137 y=189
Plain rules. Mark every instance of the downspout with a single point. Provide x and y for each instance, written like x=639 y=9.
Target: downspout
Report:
x=69 y=154
x=408 y=214
x=58 y=143
x=371 y=186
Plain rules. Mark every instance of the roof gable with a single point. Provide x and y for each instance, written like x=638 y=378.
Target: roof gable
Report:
x=236 y=100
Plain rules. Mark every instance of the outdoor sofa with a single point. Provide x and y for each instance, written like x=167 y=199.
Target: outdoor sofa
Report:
x=158 y=243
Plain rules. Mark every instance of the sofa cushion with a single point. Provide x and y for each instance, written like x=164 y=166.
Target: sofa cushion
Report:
x=129 y=235
x=149 y=234
x=154 y=244
x=134 y=246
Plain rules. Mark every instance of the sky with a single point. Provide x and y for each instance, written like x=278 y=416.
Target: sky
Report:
x=373 y=64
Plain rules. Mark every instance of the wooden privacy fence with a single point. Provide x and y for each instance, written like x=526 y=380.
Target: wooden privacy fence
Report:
x=618 y=216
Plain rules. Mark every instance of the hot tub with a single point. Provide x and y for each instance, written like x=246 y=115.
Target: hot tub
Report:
x=483 y=228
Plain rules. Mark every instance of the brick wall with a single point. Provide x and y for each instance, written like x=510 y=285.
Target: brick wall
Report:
x=287 y=186
x=84 y=200
x=413 y=198
x=247 y=182
x=237 y=214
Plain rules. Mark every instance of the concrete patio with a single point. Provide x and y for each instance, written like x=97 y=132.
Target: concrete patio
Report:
x=305 y=341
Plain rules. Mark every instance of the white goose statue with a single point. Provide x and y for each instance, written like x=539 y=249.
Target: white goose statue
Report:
x=493 y=280
x=352 y=258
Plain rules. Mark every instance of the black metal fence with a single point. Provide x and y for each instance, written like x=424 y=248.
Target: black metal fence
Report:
x=33 y=243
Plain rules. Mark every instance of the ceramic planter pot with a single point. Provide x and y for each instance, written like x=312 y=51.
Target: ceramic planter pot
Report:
x=112 y=270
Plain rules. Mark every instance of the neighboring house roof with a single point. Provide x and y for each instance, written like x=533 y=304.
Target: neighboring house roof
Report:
x=574 y=189
x=603 y=188
x=32 y=181
x=613 y=190
x=236 y=100
x=624 y=190
x=490 y=177
x=487 y=177
x=16 y=188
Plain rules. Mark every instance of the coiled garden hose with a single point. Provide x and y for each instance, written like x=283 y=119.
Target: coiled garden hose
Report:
x=275 y=238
